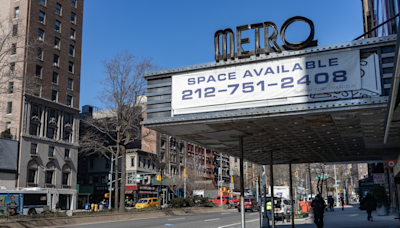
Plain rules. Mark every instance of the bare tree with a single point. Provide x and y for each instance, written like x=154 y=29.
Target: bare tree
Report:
x=117 y=129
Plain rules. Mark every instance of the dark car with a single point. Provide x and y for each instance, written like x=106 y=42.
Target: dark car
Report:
x=249 y=204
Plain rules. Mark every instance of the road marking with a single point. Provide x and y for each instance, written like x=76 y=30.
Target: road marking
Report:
x=176 y=218
x=238 y=223
x=211 y=219
x=225 y=213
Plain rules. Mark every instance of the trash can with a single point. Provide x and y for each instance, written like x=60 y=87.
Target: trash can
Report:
x=87 y=206
x=96 y=207
x=92 y=206
x=101 y=207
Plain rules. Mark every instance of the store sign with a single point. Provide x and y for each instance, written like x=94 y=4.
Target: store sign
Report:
x=101 y=188
x=379 y=178
x=268 y=40
x=261 y=81
x=147 y=188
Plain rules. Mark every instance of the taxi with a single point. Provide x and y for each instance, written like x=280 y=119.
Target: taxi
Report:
x=147 y=202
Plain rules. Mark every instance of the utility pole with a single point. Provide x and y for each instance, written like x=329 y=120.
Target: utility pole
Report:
x=184 y=181
x=110 y=179
x=220 y=173
x=337 y=195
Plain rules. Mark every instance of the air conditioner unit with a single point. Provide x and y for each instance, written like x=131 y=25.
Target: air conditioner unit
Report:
x=55 y=64
x=40 y=38
x=72 y=37
x=12 y=72
x=57 y=30
x=56 y=47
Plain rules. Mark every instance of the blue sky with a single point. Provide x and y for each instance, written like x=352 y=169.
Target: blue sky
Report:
x=179 y=33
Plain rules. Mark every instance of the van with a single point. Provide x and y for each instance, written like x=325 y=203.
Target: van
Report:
x=147 y=202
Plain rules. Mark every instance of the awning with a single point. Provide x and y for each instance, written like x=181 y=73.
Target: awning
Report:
x=147 y=192
x=129 y=192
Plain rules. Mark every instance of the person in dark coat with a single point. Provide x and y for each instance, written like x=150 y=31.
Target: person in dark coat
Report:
x=368 y=204
x=318 y=205
x=342 y=202
x=330 y=202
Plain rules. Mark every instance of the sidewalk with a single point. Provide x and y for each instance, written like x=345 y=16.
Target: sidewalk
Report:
x=350 y=217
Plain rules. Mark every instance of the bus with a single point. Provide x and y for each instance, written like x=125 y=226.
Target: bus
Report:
x=29 y=201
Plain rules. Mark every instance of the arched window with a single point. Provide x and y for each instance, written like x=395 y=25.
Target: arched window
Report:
x=66 y=170
x=50 y=167
x=32 y=172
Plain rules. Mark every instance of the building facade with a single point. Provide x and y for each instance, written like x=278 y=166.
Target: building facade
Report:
x=42 y=111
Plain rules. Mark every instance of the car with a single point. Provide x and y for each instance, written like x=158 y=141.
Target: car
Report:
x=249 y=204
x=147 y=202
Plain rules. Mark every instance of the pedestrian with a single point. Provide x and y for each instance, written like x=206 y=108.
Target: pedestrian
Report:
x=331 y=202
x=342 y=202
x=368 y=204
x=318 y=205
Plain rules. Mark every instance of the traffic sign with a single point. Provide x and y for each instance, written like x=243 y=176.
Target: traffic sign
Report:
x=335 y=185
x=339 y=181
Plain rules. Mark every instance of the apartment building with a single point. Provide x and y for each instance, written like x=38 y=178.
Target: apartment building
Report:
x=42 y=111
x=362 y=171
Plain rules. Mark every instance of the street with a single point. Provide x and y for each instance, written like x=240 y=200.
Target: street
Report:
x=350 y=217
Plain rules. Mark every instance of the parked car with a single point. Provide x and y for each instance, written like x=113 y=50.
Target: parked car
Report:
x=226 y=200
x=147 y=202
x=249 y=204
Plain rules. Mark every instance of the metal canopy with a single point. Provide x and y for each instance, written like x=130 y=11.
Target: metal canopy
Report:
x=333 y=131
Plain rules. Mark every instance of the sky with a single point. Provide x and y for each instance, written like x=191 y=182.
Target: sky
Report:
x=178 y=33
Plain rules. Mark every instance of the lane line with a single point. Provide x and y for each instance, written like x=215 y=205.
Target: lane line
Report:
x=238 y=223
x=211 y=219
x=225 y=213
x=176 y=218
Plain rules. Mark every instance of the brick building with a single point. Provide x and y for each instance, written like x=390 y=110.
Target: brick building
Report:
x=42 y=112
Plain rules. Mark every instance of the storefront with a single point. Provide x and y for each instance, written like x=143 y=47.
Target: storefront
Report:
x=137 y=192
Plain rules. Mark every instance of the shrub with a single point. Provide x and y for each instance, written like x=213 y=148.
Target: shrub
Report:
x=180 y=202
x=380 y=195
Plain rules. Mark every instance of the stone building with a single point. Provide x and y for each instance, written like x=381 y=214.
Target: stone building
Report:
x=42 y=111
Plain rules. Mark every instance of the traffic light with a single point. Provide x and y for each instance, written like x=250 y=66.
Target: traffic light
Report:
x=159 y=177
x=107 y=195
x=296 y=174
x=232 y=179
x=184 y=173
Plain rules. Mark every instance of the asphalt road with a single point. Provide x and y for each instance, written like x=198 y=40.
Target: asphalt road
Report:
x=225 y=219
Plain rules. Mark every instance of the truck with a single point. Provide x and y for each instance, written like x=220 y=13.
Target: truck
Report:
x=281 y=191
x=226 y=200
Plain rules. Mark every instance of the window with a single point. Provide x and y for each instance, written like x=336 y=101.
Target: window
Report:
x=148 y=164
x=58 y=26
x=52 y=115
x=12 y=68
x=33 y=130
x=41 y=17
x=72 y=34
x=132 y=162
x=65 y=178
x=54 y=95
x=50 y=133
x=55 y=61
x=16 y=12
x=71 y=67
x=58 y=9
x=13 y=49
x=57 y=43
x=40 y=53
x=10 y=87
x=67 y=119
x=91 y=164
x=71 y=50
x=73 y=18
x=38 y=71
x=73 y=3
x=139 y=162
x=49 y=177
x=31 y=176
x=15 y=30
x=55 y=78
x=235 y=159
x=66 y=154
x=9 y=107
x=66 y=136
x=33 y=148
x=69 y=100
x=51 y=152
x=40 y=35
x=107 y=164
x=43 y=2
x=69 y=83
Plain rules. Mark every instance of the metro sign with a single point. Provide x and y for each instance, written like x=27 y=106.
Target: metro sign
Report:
x=309 y=42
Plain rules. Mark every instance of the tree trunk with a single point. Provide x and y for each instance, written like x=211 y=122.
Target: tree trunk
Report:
x=123 y=179
x=116 y=188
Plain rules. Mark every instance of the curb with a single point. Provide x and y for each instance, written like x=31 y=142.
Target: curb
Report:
x=78 y=220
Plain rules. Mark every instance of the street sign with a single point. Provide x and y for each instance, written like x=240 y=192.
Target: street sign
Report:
x=335 y=185
x=136 y=178
x=108 y=183
x=339 y=181
x=221 y=181
x=322 y=177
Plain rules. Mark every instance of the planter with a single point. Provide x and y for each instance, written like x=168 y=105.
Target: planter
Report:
x=382 y=211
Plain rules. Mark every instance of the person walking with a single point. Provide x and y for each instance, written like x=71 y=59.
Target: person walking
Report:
x=368 y=204
x=342 y=202
x=318 y=205
x=331 y=202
